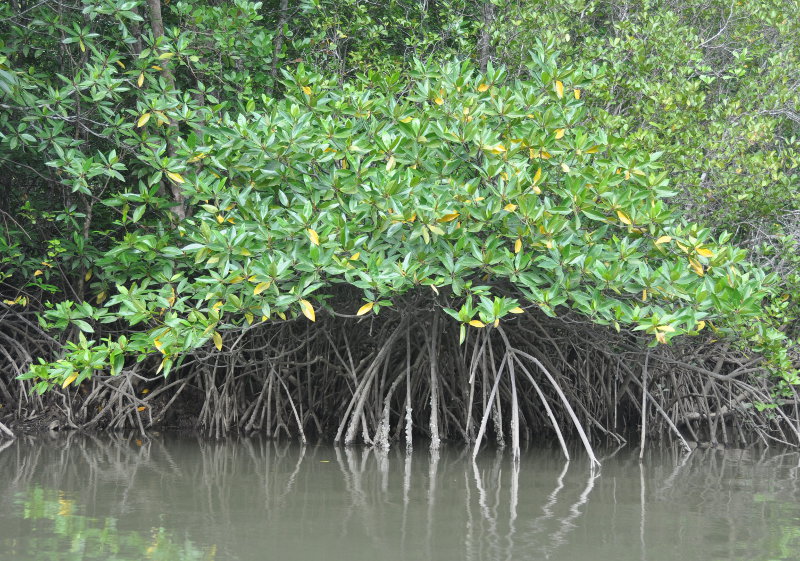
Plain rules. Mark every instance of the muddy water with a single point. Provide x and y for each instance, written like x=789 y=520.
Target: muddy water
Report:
x=77 y=497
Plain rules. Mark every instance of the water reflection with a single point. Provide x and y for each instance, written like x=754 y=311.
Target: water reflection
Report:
x=88 y=497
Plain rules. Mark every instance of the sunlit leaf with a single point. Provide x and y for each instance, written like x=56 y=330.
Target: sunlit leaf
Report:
x=308 y=310
x=624 y=218
x=261 y=287
x=365 y=308
x=71 y=378
x=176 y=177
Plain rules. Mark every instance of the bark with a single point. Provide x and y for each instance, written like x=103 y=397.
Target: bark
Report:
x=484 y=41
x=283 y=17
x=157 y=25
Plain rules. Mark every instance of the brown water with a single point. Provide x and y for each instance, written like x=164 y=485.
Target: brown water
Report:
x=78 y=497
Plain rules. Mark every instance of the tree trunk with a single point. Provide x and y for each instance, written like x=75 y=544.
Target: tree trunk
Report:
x=283 y=17
x=157 y=25
x=484 y=41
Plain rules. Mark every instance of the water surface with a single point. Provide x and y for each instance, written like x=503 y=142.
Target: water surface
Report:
x=79 y=497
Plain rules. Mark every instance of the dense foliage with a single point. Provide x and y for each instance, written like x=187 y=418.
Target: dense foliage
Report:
x=171 y=186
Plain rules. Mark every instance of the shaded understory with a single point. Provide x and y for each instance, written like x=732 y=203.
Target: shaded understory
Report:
x=398 y=377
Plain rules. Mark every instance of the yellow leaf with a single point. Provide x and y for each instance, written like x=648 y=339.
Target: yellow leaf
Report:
x=121 y=65
x=543 y=154
x=663 y=239
x=477 y=323
x=517 y=310
x=537 y=176
x=644 y=295
x=559 y=89
x=145 y=391
x=705 y=252
x=665 y=328
x=696 y=267
x=306 y=90
x=71 y=378
x=156 y=67
x=559 y=134
x=140 y=80
x=510 y=207
x=390 y=163
x=143 y=120
x=217 y=340
x=504 y=175
x=496 y=149
x=483 y=87
x=624 y=218
x=405 y=120
x=220 y=219
x=593 y=150
x=661 y=338
x=355 y=256
x=100 y=298
x=517 y=245
x=577 y=93
x=449 y=217
x=436 y=230
x=700 y=325
x=308 y=310
x=176 y=177
x=37 y=272
x=537 y=190
x=564 y=167
x=497 y=322
x=141 y=408
x=438 y=101
x=365 y=308
x=261 y=287
x=313 y=236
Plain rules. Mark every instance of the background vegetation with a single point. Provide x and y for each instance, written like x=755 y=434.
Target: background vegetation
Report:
x=370 y=221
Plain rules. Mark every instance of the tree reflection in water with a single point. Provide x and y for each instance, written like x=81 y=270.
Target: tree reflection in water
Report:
x=117 y=497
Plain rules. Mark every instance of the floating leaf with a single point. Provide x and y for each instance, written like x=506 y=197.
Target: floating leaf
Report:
x=71 y=378
x=217 y=340
x=143 y=120
x=365 y=308
x=663 y=239
x=313 y=236
x=261 y=287
x=510 y=207
x=483 y=87
x=624 y=218
x=559 y=89
x=517 y=245
x=308 y=310
x=176 y=177
x=477 y=323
